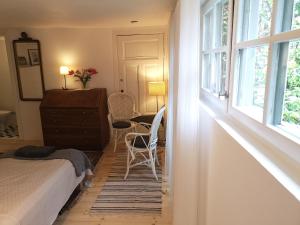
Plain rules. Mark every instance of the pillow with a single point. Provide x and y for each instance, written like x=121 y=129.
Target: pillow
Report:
x=34 y=151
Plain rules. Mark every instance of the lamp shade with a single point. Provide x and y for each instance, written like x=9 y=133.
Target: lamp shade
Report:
x=157 y=88
x=64 y=70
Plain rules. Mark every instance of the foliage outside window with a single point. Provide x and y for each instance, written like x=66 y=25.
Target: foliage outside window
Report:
x=266 y=83
x=287 y=100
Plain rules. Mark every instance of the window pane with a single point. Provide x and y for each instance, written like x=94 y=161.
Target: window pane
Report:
x=206 y=71
x=225 y=16
x=208 y=31
x=255 y=19
x=223 y=73
x=251 y=80
x=289 y=11
x=216 y=73
x=221 y=24
x=287 y=100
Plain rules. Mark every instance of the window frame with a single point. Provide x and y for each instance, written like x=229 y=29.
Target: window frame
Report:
x=265 y=129
x=219 y=99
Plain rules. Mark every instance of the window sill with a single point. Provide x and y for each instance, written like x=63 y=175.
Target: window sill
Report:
x=253 y=112
x=213 y=100
x=289 y=132
x=283 y=168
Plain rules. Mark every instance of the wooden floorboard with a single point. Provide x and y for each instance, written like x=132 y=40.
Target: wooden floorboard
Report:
x=79 y=213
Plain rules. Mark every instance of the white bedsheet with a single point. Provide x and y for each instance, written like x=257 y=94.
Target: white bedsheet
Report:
x=33 y=192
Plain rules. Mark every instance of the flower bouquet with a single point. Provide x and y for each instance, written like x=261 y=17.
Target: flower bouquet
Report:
x=84 y=76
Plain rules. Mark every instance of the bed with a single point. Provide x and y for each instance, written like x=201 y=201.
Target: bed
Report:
x=32 y=192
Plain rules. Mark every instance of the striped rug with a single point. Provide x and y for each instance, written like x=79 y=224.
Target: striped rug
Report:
x=140 y=193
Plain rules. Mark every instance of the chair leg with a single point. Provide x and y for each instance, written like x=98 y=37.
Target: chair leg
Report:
x=116 y=140
x=152 y=161
x=156 y=157
x=128 y=164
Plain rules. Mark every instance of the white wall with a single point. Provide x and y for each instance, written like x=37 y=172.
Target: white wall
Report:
x=239 y=191
x=184 y=123
x=228 y=184
x=75 y=47
x=78 y=48
x=6 y=97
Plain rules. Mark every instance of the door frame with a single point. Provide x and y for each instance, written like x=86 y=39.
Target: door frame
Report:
x=139 y=31
x=14 y=87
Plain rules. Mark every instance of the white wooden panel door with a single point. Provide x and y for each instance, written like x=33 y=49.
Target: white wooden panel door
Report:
x=140 y=60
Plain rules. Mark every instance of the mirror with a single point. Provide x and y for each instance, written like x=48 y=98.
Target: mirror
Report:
x=29 y=68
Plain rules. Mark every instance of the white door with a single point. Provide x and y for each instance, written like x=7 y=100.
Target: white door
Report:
x=140 y=60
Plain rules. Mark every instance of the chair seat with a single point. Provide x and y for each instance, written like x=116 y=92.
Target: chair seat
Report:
x=139 y=143
x=121 y=124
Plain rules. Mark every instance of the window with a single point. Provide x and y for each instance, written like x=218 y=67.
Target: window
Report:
x=266 y=66
x=262 y=56
x=215 y=47
x=251 y=80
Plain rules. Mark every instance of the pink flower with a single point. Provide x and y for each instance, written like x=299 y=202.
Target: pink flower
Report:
x=92 y=71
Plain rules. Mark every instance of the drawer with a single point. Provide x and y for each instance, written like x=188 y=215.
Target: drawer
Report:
x=69 y=111
x=87 y=143
x=71 y=117
x=66 y=131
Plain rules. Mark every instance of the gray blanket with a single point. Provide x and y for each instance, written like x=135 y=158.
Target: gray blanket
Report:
x=78 y=159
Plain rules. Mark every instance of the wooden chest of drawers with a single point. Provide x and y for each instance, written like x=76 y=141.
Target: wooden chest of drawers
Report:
x=75 y=119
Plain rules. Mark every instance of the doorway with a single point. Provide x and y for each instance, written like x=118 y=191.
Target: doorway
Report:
x=8 y=119
x=140 y=61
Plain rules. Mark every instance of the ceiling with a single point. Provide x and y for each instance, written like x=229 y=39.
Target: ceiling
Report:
x=84 y=13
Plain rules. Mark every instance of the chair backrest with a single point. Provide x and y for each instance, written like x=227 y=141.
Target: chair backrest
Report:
x=155 y=125
x=121 y=106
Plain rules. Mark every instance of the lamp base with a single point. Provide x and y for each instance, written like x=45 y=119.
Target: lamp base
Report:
x=65 y=87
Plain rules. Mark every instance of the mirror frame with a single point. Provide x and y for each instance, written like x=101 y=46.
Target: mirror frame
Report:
x=25 y=39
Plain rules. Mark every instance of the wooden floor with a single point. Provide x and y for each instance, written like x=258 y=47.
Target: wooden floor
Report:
x=79 y=213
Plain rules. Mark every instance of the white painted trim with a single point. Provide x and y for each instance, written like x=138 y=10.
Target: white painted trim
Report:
x=215 y=50
x=252 y=43
x=268 y=88
x=286 y=36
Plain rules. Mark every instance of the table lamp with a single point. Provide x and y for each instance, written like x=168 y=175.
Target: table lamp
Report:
x=157 y=88
x=64 y=70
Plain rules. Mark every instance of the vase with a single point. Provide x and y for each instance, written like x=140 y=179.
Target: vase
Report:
x=84 y=85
